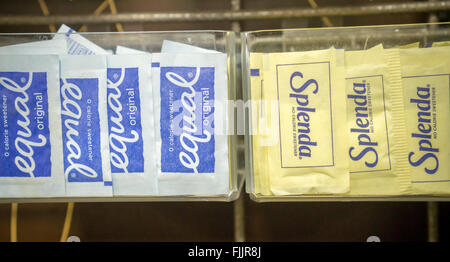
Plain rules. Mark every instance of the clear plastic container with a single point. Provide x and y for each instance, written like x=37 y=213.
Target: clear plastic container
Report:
x=348 y=38
x=221 y=41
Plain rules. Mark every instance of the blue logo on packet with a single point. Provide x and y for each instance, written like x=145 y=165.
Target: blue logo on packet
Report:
x=124 y=121
x=81 y=129
x=24 y=131
x=187 y=120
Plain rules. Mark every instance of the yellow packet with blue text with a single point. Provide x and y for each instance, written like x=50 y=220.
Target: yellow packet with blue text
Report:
x=262 y=125
x=255 y=62
x=310 y=138
x=257 y=121
x=426 y=82
x=378 y=140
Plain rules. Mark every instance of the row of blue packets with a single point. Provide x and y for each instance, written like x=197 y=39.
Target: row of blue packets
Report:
x=79 y=121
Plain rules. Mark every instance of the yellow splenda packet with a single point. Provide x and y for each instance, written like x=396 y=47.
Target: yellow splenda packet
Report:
x=378 y=143
x=306 y=157
x=263 y=125
x=258 y=124
x=412 y=45
x=255 y=65
x=444 y=43
x=426 y=79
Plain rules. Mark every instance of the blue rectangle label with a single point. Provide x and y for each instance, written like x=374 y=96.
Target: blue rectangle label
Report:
x=305 y=114
x=81 y=129
x=254 y=72
x=24 y=132
x=124 y=121
x=187 y=120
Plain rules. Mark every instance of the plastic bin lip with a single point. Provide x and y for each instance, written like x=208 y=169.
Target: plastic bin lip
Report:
x=230 y=197
x=391 y=26
x=125 y=33
x=329 y=198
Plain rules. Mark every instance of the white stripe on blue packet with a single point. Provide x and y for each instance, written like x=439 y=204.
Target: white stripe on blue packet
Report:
x=30 y=129
x=191 y=117
x=84 y=125
x=185 y=183
x=45 y=47
x=122 y=50
x=131 y=125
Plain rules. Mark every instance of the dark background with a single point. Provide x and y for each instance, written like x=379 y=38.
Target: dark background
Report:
x=389 y=221
x=67 y=7
x=184 y=221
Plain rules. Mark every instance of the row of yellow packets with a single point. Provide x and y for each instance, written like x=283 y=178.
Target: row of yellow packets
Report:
x=351 y=123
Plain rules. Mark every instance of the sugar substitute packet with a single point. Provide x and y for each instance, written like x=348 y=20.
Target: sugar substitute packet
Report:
x=31 y=146
x=310 y=89
x=192 y=123
x=45 y=47
x=261 y=126
x=84 y=125
x=256 y=115
x=426 y=82
x=76 y=43
x=130 y=125
x=376 y=118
